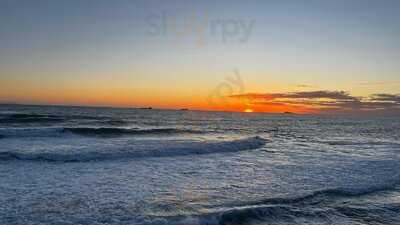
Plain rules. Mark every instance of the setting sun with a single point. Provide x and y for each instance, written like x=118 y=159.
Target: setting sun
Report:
x=248 y=110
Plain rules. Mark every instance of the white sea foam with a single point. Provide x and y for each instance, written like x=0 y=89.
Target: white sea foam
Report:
x=88 y=132
x=310 y=170
x=141 y=151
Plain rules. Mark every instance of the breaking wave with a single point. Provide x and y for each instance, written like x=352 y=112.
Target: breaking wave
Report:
x=356 y=143
x=180 y=149
x=125 y=131
x=29 y=118
x=89 y=131
x=48 y=118
x=312 y=207
x=309 y=206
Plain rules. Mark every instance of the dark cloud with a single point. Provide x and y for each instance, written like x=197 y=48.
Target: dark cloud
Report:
x=328 y=101
x=386 y=98
x=335 y=95
x=339 y=95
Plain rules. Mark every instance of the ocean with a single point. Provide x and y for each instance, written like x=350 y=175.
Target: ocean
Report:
x=79 y=165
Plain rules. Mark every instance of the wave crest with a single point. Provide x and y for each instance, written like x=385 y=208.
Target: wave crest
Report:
x=89 y=131
x=312 y=207
x=29 y=118
x=125 y=131
x=181 y=149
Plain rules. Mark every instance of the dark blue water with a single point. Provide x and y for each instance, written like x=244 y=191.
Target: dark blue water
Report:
x=75 y=165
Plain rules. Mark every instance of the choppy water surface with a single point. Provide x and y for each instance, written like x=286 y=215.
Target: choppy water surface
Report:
x=71 y=165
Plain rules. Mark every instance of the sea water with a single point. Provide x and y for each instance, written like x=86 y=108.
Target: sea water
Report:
x=77 y=165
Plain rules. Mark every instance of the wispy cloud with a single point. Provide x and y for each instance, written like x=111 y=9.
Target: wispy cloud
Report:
x=379 y=83
x=305 y=86
x=327 y=101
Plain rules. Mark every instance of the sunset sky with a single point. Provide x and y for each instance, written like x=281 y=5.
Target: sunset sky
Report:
x=268 y=56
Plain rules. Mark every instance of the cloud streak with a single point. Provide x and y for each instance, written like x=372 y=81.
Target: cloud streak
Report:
x=386 y=98
x=305 y=86
x=336 y=102
x=379 y=83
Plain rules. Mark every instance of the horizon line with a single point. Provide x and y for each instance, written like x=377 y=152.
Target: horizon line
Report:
x=186 y=109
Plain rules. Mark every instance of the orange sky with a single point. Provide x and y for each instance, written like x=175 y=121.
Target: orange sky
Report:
x=142 y=54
